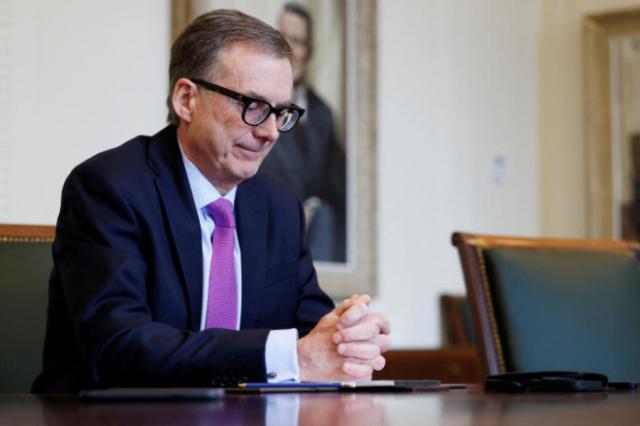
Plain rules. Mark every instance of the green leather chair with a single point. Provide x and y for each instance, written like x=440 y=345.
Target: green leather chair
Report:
x=554 y=304
x=25 y=265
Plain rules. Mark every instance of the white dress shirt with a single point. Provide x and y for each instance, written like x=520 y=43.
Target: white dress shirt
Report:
x=281 y=356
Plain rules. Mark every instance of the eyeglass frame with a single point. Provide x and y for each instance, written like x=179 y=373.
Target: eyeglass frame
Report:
x=247 y=100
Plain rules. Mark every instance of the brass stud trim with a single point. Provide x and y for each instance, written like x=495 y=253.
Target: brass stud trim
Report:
x=490 y=309
x=4 y=239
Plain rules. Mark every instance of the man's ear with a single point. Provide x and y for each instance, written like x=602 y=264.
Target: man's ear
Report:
x=184 y=99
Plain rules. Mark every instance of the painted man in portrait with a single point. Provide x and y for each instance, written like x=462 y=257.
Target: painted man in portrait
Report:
x=309 y=160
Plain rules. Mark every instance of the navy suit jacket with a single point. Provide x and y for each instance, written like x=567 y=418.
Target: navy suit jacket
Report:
x=125 y=293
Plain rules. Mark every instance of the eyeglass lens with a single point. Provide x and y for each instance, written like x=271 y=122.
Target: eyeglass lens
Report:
x=256 y=112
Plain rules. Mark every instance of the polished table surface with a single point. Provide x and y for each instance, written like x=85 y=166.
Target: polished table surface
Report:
x=453 y=407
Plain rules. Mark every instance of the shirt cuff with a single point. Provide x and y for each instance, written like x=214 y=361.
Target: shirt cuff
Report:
x=281 y=356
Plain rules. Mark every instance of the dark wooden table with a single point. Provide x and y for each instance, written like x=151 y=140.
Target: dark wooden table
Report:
x=454 y=407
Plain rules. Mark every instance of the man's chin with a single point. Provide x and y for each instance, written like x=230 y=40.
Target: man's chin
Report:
x=248 y=172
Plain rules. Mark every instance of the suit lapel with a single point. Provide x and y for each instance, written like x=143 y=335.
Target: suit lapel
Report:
x=251 y=218
x=180 y=214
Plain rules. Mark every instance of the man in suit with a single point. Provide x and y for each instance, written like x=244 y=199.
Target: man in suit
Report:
x=309 y=160
x=174 y=265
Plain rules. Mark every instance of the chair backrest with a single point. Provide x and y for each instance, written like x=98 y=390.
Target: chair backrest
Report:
x=25 y=265
x=554 y=304
x=457 y=326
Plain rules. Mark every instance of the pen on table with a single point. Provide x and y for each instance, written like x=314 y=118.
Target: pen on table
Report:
x=302 y=385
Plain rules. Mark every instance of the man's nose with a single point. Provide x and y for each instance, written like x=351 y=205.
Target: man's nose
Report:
x=268 y=129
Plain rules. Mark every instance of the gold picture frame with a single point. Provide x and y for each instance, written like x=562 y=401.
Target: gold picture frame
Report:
x=598 y=31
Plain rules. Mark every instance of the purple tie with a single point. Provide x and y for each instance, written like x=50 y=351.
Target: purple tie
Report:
x=222 y=302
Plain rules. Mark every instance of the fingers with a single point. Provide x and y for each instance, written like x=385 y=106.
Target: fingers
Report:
x=383 y=322
x=361 y=337
x=378 y=363
x=353 y=310
x=363 y=370
x=358 y=371
x=383 y=341
x=349 y=302
x=359 y=332
x=335 y=316
x=369 y=328
x=357 y=308
x=360 y=350
x=356 y=313
x=363 y=352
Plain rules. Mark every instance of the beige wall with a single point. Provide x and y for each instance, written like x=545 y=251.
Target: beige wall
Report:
x=76 y=77
x=562 y=153
x=458 y=89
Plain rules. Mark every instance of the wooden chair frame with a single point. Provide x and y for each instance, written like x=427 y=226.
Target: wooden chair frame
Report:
x=35 y=233
x=453 y=325
x=470 y=248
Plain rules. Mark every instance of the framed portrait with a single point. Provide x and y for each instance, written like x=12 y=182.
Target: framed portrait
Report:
x=329 y=158
x=611 y=49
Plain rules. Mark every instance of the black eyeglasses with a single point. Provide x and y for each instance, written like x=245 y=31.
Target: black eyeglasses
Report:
x=256 y=111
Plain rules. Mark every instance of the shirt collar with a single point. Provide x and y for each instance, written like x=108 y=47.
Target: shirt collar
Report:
x=203 y=191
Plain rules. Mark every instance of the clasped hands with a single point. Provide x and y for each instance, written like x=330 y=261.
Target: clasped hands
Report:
x=346 y=344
